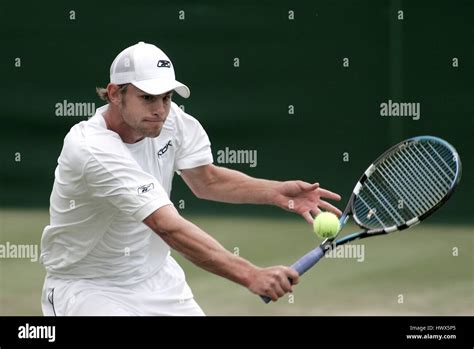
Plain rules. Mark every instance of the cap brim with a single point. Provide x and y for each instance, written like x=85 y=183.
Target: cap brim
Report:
x=160 y=86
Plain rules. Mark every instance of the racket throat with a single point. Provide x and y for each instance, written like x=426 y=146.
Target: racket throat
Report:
x=328 y=245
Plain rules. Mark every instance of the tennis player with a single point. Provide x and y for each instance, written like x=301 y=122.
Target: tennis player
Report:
x=107 y=247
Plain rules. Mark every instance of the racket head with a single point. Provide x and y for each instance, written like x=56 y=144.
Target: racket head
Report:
x=406 y=184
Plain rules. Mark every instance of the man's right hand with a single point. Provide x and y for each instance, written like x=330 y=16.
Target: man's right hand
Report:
x=273 y=282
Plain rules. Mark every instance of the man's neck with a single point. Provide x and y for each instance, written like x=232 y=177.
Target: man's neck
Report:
x=114 y=122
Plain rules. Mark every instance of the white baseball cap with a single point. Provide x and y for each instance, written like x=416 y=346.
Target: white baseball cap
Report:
x=148 y=68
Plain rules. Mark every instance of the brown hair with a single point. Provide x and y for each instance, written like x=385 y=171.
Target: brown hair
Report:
x=104 y=95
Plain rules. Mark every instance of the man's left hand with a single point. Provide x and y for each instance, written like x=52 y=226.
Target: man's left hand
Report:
x=305 y=199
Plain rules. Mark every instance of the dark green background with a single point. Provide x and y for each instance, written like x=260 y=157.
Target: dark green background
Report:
x=282 y=62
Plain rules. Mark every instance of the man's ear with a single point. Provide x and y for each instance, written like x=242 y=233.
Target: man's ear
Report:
x=115 y=97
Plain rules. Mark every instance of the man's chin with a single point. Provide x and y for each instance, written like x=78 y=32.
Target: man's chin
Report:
x=148 y=131
x=150 y=134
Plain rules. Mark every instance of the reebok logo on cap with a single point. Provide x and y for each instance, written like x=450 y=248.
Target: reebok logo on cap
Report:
x=163 y=64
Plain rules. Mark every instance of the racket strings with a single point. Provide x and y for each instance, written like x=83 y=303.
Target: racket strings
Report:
x=413 y=207
x=384 y=198
x=444 y=176
x=406 y=184
x=437 y=181
x=396 y=187
x=424 y=182
x=443 y=155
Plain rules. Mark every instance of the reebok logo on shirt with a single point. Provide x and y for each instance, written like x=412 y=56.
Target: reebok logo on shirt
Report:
x=146 y=188
x=163 y=150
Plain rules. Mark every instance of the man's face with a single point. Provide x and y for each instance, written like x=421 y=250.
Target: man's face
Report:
x=144 y=113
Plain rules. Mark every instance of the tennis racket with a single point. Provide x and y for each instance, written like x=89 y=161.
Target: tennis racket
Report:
x=405 y=185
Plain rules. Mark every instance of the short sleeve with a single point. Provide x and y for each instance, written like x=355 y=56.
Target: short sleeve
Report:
x=194 y=147
x=116 y=177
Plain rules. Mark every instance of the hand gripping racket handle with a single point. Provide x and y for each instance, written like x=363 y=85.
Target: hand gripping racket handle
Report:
x=303 y=264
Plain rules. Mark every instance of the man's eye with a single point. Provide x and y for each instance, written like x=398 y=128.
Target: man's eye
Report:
x=147 y=98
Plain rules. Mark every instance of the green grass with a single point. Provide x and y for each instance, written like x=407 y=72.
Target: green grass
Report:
x=417 y=264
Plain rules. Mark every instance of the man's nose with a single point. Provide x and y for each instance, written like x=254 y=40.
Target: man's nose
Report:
x=159 y=108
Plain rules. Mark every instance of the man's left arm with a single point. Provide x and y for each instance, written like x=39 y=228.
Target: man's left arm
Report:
x=215 y=183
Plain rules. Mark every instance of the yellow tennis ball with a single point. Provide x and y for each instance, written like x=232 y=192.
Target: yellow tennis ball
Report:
x=326 y=225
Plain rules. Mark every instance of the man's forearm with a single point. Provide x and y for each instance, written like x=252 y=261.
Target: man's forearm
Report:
x=226 y=185
x=221 y=184
x=199 y=247
x=204 y=251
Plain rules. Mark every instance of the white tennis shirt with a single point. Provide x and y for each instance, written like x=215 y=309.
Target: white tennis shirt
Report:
x=104 y=188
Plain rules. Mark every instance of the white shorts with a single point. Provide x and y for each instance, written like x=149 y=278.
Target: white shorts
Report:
x=166 y=293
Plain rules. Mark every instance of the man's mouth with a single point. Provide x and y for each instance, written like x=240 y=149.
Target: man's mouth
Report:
x=154 y=120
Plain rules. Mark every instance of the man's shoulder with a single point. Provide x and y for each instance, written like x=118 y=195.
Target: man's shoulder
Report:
x=88 y=138
x=180 y=120
x=74 y=139
x=83 y=132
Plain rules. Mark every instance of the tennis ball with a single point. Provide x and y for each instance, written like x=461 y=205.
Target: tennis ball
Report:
x=326 y=225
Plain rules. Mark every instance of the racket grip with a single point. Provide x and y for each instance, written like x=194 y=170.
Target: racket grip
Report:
x=308 y=260
x=302 y=265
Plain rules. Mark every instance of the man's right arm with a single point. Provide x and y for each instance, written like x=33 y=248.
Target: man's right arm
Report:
x=204 y=251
